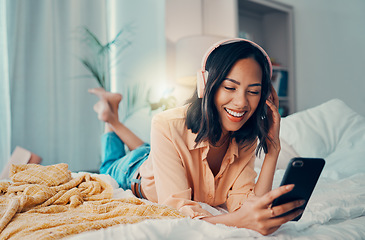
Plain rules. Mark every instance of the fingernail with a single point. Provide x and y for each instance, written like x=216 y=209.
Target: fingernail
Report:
x=301 y=202
x=290 y=186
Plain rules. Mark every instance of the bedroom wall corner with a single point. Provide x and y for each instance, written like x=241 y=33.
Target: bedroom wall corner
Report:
x=330 y=52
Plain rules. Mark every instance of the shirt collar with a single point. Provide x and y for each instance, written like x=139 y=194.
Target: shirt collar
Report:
x=232 y=150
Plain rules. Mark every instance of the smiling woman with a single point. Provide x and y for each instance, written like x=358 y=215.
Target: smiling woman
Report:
x=204 y=151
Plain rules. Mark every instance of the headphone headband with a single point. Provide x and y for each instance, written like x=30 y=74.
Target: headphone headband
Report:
x=202 y=75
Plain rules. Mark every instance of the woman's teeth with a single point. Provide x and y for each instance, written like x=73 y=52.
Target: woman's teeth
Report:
x=234 y=114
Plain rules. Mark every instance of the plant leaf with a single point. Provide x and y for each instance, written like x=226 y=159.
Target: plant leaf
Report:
x=94 y=72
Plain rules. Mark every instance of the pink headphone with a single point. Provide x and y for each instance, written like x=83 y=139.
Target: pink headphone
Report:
x=202 y=74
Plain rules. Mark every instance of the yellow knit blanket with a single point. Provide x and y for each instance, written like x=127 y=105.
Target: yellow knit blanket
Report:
x=45 y=202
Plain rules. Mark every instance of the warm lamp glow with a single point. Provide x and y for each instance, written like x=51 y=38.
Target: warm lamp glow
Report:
x=188 y=81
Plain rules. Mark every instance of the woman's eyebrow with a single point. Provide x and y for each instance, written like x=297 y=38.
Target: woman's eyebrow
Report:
x=232 y=80
x=238 y=83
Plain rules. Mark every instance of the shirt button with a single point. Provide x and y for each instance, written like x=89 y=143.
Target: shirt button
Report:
x=210 y=196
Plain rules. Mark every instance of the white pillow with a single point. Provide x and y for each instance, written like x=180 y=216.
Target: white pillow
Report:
x=318 y=131
x=332 y=131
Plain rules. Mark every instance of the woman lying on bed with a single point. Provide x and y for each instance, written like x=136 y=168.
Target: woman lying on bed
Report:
x=205 y=150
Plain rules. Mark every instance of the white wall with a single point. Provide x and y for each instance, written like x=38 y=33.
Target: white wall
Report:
x=194 y=17
x=185 y=24
x=329 y=52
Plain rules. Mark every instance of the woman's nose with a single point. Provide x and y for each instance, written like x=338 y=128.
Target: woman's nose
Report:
x=240 y=99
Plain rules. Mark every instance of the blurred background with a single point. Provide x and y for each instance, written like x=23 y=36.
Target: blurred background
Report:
x=53 y=51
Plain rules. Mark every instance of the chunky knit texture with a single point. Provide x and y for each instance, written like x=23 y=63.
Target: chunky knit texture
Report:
x=45 y=202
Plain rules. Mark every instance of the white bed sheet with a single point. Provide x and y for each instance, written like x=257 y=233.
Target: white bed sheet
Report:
x=336 y=210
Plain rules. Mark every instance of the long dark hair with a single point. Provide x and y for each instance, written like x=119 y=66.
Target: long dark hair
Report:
x=202 y=113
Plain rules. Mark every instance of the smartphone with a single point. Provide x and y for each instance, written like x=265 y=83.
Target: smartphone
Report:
x=304 y=174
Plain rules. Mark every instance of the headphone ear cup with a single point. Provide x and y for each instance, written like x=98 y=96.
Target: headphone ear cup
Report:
x=201 y=79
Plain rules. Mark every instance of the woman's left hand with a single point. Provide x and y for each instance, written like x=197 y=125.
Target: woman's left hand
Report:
x=274 y=122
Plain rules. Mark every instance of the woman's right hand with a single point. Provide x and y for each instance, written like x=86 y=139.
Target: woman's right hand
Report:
x=256 y=213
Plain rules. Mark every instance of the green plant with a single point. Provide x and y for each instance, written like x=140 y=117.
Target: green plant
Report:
x=96 y=56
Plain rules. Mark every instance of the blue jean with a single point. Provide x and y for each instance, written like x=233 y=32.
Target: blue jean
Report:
x=117 y=163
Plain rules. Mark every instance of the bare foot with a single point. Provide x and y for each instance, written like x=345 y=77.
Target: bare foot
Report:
x=105 y=114
x=112 y=98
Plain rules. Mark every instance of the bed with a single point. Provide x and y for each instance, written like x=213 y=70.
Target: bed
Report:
x=336 y=210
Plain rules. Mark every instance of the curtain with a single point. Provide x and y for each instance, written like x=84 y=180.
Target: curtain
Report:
x=5 y=121
x=51 y=110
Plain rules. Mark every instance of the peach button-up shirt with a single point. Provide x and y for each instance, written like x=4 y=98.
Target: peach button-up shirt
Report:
x=177 y=173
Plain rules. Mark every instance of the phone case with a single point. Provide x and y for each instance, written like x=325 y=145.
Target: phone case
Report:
x=304 y=174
